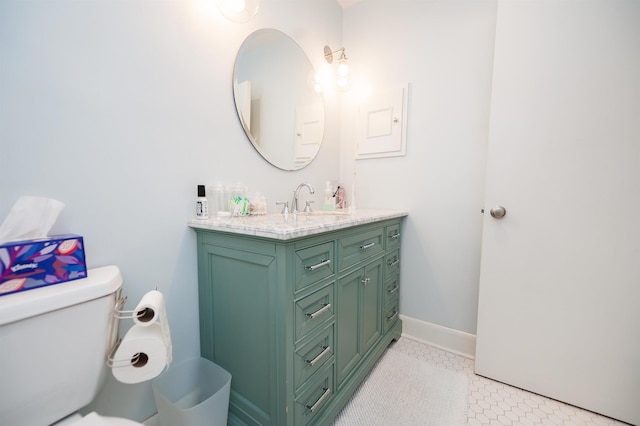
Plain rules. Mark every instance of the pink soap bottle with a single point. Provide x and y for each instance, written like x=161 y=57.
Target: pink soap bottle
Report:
x=340 y=204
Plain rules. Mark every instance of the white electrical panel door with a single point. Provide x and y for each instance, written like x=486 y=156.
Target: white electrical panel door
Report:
x=382 y=125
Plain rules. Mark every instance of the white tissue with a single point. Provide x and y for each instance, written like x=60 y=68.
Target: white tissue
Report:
x=142 y=355
x=150 y=309
x=30 y=218
x=149 y=336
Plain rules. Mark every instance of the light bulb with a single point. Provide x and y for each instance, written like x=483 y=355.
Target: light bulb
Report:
x=342 y=82
x=238 y=11
x=343 y=69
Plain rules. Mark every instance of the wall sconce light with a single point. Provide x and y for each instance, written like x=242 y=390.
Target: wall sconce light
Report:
x=343 y=66
x=239 y=11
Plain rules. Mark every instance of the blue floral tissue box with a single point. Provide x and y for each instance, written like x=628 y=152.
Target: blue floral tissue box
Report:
x=25 y=265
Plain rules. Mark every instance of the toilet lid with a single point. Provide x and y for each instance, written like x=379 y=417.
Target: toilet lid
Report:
x=94 y=419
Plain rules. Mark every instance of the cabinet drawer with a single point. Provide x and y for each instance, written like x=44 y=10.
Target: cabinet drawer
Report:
x=313 y=310
x=312 y=355
x=314 y=398
x=358 y=247
x=392 y=262
x=392 y=235
x=313 y=263
x=391 y=289
x=391 y=313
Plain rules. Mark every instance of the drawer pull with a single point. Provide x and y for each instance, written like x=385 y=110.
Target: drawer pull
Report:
x=394 y=263
x=367 y=246
x=320 y=400
x=325 y=307
x=325 y=351
x=366 y=281
x=394 y=290
x=392 y=316
x=318 y=265
x=394 y=236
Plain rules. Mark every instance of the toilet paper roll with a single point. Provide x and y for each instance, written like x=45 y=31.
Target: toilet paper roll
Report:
x=150 y=309
x=142 y=355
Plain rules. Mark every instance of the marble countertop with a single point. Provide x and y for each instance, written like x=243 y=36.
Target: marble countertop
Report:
x=281 y=227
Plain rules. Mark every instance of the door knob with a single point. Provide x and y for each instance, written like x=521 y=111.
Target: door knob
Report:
x=498 y=212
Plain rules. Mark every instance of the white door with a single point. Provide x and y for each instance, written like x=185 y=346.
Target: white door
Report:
x=559 y=303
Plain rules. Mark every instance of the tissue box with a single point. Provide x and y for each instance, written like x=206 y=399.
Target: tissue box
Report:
x=25 y=265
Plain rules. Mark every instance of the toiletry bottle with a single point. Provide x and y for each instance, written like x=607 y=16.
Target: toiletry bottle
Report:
x=217 y=199
x=340 y=203
x=329 y=200
x=202 y=208
x=238 y=201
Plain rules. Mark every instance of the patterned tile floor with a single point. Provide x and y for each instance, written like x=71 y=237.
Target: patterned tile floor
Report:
x=493 y=403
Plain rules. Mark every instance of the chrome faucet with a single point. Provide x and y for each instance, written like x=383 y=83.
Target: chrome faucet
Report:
x=296 y=193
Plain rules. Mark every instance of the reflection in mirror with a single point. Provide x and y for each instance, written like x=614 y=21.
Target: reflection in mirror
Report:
x=278 y=107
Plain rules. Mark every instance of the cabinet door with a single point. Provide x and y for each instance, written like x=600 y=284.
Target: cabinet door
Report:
x=359 y=313
x=348 y=351
x=371 y=305
x=238 y=328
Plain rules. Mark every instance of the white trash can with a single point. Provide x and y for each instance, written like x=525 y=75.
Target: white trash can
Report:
x=193 y=393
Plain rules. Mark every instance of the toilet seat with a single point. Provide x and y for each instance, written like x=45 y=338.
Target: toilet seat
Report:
x=94 y=419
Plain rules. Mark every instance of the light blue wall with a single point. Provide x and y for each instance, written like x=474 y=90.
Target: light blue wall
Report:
x=444 y=51
x=119 y=109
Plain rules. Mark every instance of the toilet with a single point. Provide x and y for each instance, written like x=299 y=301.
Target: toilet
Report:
x=55 y=341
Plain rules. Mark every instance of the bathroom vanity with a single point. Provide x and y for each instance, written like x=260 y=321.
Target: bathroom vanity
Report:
x=297 y=308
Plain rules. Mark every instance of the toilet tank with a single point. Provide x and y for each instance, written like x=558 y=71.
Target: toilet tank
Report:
x=54 y=342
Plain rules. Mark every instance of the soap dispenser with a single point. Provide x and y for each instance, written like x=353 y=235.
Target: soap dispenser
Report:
x=329 y=200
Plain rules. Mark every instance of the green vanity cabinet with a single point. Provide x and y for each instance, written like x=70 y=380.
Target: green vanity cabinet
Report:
x=300 y=321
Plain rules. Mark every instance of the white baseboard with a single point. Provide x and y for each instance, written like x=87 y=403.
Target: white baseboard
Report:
x=451 y=340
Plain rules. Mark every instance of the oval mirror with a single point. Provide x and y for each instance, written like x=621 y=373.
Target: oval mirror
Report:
x=275 y=97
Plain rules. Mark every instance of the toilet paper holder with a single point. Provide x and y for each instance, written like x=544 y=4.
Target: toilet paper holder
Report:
x=138 y=359
x=143 y=315
x=119 y=313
